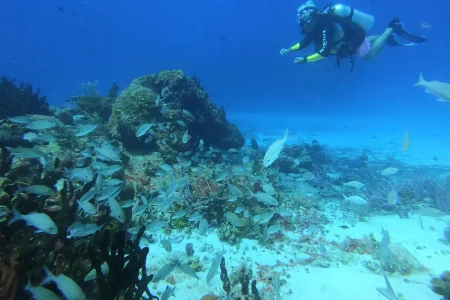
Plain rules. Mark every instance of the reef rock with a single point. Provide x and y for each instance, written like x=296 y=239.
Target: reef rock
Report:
x=177 y=107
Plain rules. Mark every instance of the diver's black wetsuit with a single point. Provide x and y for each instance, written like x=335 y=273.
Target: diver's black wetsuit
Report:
x=332 y=37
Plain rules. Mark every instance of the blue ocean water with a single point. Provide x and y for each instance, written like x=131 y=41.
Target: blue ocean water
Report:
x=233 y=48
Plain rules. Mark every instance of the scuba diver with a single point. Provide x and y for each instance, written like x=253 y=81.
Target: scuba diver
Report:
x=341 y=30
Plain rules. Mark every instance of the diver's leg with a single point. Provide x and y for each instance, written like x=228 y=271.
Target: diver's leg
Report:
x=378 y=44
x=372 y=38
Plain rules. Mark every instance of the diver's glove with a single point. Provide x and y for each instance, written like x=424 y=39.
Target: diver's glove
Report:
x=300 y=60
x=284 y=51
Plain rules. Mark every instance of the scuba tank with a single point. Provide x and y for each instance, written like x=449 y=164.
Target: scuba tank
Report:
x=358 y=17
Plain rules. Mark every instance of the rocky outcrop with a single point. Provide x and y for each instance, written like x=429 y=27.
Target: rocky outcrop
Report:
x=174 y=103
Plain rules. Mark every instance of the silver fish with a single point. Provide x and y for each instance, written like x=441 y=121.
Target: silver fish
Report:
x=40 y=125
x=214 y=266
x=40 y=293
x=179 y=214
x=78 y=229
x=222 y=175
x=142 y=130
x=166 y=245
x=26 y=153
x=188 y=113
x=85 y=129
x=116 y=210
x=265 y=198
x=68 y=287
x=88 y=195
x=167 y=293
x=274 y=150
x=185 y=138
x=164 y=272
x=186 y=269
x=104 y=267
x=166 y=167
x=235 y=220
x=41 y=221
x=140 y=210
x=40 y=190
x=20 y=119
x=87 y=207
x=80 y=174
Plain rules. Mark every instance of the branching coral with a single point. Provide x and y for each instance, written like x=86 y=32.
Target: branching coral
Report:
x=124 y=270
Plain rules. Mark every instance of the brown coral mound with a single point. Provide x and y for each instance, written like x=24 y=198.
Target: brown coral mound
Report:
x=209 y=297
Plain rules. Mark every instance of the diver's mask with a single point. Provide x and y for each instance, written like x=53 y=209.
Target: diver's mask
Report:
x=307 y=18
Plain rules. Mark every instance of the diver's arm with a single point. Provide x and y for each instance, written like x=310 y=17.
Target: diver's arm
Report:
x=324 y=51
x=299 y=46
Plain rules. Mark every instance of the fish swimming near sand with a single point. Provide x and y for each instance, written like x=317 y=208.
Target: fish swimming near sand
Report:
x=387 y=292
x=436 y=88
x=274 y=150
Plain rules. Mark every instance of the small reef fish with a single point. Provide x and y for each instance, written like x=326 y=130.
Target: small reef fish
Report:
x=179 y=214
x=108 y=154
x=79 y=229
x=186 y=269
x=167 y=293
x=81 y=174
x=40 y=293
x=215 y=266
x=20 y=120
x=387 y=292
x=441 y=90
x=235 y=190
x=87 y=207
x=68 y=287
x=356 y=200
x=166 y=167
x=354 y=184
x=164 y=272
x=85 y=129
x=388 y=171
x=116 y=210
x=188 y=113
x=268 y=231
x=40 y=125
x=166 y=245
x=274 y=150
x=185 y=138
x=142 y=130
x=93 y=273
x=27 y=153
x=235 y=220
x=139 y=210
x=265 y=198
x=406 y=141
x=222 y=175
x=196 y=216
x=40 y=190
x=42 y=222
x=392 y=197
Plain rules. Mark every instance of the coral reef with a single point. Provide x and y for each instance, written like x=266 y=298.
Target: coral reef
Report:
x=441 y=285
x=20 y=100
x=180 y=106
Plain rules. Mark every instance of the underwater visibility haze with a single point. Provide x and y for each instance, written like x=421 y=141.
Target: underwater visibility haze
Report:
x=205 y=150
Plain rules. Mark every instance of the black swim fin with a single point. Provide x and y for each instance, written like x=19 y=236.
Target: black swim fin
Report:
x=399 y=29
